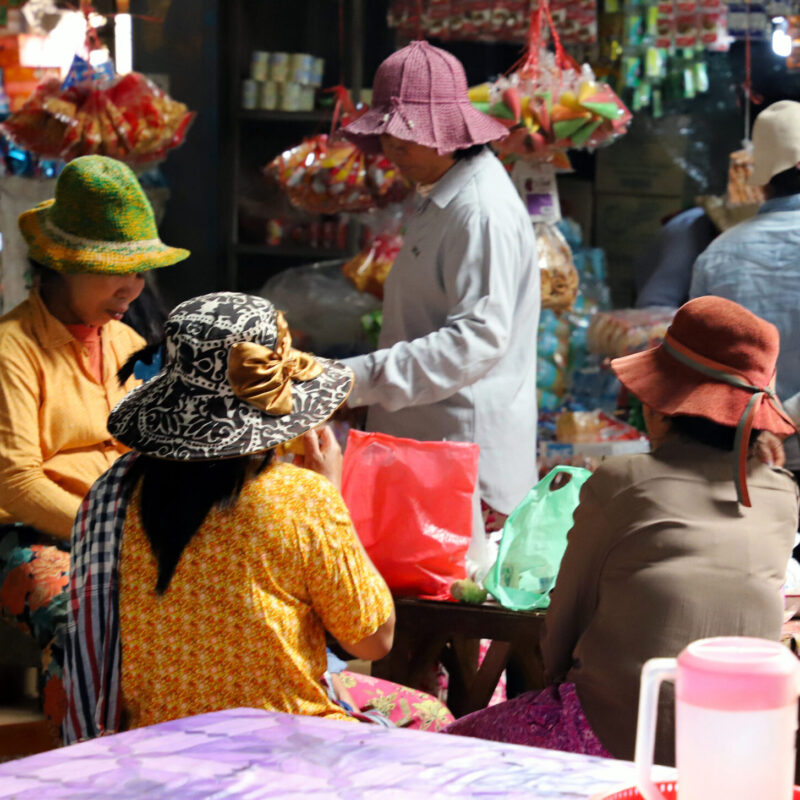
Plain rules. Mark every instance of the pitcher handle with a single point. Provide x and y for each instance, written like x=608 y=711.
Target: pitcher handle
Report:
x=654 y=673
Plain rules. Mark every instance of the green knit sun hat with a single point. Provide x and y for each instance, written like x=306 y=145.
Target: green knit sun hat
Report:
x=100 y=221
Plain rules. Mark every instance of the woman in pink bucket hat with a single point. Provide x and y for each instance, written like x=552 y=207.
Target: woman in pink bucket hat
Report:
x=456 y=357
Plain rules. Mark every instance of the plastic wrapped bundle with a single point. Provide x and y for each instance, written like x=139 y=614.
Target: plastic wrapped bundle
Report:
x=128 y=118
x=328 y=175
x=369 y=268
x=627 y=330
x=556 y=267
x=550 y=103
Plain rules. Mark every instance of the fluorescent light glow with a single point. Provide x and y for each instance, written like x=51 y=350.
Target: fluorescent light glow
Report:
x=781 y=43
x=123 y=44
x=98 y=57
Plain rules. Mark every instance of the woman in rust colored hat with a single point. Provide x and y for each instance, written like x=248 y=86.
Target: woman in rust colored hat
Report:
x=686 y=542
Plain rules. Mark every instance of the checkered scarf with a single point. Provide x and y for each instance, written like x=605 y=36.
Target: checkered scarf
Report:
x=92 y=648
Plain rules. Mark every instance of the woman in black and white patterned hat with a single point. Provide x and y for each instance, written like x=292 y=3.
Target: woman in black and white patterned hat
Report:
x=231 y=566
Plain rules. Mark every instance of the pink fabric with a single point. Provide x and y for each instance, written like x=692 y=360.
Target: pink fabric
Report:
x=551 y=718
x=420 y=95
x=406 y=708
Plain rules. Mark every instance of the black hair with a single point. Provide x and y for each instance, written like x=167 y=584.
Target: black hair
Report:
x=704 y=431
x=469 y=152
x=786 y=183
x=42 y=275
x=178 y=495
x=147 y=315
x=145 y=355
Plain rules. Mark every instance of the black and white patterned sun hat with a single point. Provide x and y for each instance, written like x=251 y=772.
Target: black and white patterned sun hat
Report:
x=190 y=411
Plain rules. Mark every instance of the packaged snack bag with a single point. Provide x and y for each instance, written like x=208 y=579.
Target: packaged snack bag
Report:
x=93 y=112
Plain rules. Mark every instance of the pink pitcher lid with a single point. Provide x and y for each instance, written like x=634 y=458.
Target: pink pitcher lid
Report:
x=737 y=673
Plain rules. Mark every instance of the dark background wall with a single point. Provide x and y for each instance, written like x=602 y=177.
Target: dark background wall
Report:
x=193 y=48
x=185 y=47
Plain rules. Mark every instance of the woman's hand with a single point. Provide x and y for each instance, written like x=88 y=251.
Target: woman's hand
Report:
x=769 y=449
x=322 y=455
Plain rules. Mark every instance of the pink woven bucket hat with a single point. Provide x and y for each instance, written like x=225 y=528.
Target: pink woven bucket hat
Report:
x=420 y=95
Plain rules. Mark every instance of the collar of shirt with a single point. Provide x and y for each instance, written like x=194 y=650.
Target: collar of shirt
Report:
x=48 y=330
x=454 y=180
x=790 y=203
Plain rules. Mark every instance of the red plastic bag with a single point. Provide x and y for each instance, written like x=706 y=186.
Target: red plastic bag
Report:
x=411 y=504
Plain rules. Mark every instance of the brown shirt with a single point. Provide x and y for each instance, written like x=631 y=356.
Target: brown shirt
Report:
x=661 y=554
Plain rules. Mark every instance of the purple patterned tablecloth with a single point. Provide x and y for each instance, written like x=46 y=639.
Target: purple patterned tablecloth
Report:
x=247 y=754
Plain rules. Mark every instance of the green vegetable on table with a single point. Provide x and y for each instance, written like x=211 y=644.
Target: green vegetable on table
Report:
x=468 y=591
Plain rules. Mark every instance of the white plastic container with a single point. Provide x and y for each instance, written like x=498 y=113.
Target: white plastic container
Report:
x=268 y=95
x=735 y=720
x=259 y=66
x=290 y=97
x=278 y=67
x=249 y=93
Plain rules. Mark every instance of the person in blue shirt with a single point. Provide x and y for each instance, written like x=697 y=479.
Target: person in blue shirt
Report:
x=663 y=272
x=757 y=262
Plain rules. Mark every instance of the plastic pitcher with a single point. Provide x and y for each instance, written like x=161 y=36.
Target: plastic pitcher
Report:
x=735 y=720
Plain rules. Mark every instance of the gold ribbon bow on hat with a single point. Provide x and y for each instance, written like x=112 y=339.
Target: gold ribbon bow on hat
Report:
x=263 y=377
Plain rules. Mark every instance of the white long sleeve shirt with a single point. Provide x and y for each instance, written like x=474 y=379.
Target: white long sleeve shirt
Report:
x=457 y=351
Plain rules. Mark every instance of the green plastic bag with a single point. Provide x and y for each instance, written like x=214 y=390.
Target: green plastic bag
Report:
x=533 y=542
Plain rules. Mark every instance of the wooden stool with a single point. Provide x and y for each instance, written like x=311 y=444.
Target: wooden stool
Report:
x=429 y=631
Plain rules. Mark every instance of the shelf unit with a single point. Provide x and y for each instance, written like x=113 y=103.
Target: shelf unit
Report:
x=251 y=138
x=292 y=251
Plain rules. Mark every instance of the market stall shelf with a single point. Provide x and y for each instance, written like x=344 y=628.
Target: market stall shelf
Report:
x=322 y=115
x=289 y=250
x=245 y=753
x=429 y=631
x=254 y=134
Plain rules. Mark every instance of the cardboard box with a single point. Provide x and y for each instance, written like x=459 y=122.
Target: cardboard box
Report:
x=644 y=166
x=625 y=226
x=577 y=202
x=564 y=452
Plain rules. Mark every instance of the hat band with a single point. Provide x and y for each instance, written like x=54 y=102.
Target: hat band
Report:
x=724 y=374
x=263 y=377
x=60 y=235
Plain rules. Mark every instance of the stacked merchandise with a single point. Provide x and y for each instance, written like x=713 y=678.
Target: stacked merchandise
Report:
x=584 y=438
x=656 y=51
x=282 y=81
x=490 y=20
x=577 y=391
x=741 y=200
x=565 y=368
x=19 y=79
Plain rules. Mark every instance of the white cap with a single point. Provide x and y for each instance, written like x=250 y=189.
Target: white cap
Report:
x=776 y=141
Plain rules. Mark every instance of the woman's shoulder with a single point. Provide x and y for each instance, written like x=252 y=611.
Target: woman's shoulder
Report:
x=16 y=330
x=17 y=319
x=282 y=477
x=621 y=469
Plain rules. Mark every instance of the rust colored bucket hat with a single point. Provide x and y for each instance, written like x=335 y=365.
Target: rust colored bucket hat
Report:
x=717 y=361
x=420 y=95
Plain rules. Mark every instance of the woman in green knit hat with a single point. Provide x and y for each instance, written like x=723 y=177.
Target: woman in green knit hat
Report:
x=60 y=351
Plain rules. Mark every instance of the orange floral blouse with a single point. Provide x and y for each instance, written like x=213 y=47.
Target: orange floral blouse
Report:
x=243 y=620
